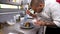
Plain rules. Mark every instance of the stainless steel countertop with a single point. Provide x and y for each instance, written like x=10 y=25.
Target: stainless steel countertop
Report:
x=16 y=29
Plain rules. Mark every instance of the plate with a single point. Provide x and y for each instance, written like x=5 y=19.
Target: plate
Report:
x=31 y=26
x=27 y=27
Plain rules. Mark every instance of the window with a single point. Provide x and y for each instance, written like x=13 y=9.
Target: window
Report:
x=8 y=6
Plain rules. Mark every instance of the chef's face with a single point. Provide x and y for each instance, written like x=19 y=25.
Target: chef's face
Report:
x=38 y=8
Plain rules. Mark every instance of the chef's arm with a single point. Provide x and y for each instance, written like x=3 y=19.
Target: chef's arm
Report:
x=50 y=24
x=56 y=20
x=55 y=15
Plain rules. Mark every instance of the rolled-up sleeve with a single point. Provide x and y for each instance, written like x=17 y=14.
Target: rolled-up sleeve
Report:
x=55 y=14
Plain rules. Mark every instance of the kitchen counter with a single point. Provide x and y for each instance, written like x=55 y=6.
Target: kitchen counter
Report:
x=16 y=29
x=9 y=29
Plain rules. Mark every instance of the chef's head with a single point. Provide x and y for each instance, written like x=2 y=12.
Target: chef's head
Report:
x=37 y=5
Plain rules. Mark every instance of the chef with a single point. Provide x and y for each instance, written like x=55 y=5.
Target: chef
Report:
x=46 y=12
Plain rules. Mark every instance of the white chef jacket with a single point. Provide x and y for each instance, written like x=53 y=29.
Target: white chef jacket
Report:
x=51 y=11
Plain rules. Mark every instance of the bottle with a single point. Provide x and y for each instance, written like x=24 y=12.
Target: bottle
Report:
x=17 y=18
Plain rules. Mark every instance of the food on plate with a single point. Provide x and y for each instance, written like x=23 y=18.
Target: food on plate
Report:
x=27 y=24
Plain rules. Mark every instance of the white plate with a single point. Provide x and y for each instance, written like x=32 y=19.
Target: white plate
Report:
x=31 y=26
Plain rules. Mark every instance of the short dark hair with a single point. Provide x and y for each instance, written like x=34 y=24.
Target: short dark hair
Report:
x=36 y=2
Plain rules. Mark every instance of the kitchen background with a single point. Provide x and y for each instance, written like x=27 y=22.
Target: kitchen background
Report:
x=10 y=8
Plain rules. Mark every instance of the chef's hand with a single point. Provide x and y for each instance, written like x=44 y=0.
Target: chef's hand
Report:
x=40 y=23
x=29 y=13
x=45 y=23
